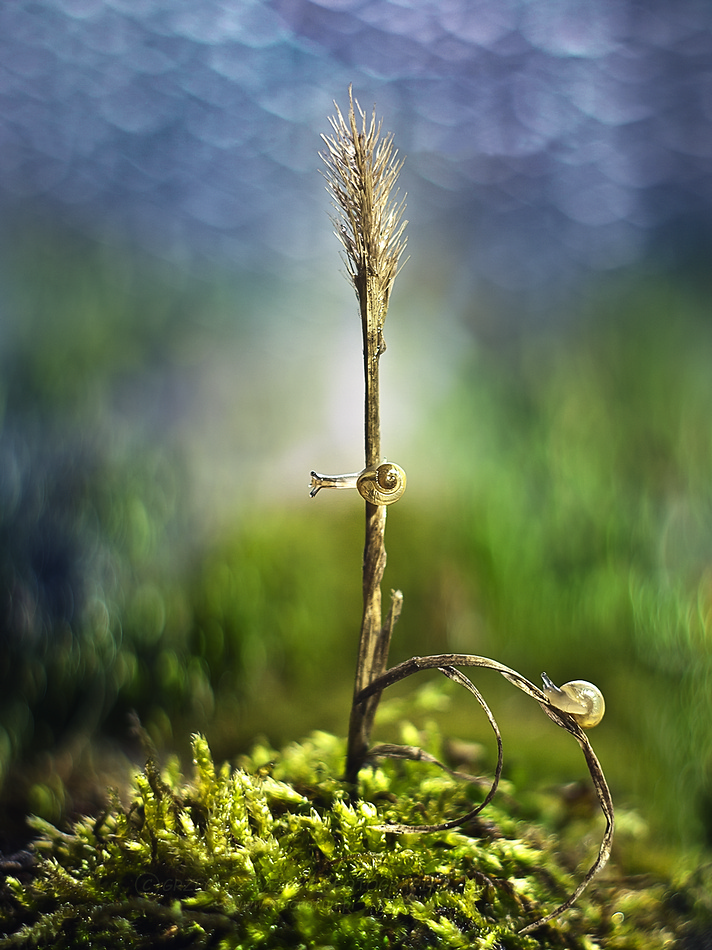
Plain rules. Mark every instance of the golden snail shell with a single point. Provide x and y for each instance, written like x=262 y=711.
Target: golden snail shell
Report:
x=382 y=485
x=580 y=699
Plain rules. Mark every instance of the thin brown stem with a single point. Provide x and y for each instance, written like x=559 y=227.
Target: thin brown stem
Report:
x=362 y=170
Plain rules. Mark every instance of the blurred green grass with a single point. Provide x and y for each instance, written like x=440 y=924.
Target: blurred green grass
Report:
x=558 y=518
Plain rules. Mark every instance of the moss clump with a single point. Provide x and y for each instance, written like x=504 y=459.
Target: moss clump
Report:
x=274 y=854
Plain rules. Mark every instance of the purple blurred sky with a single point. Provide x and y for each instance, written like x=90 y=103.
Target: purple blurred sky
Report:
x=545 y=138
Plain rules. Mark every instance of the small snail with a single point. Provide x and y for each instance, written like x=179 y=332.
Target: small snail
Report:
x=381 y=485
x=580 y=699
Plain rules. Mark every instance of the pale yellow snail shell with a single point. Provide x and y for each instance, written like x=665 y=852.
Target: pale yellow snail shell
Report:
x=382 y=485
x=580 y=699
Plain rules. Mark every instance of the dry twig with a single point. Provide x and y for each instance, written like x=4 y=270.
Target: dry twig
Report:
x=446 y=664
x=361 y=172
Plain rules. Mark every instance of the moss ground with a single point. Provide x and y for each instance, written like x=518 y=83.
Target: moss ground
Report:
x=271 y=852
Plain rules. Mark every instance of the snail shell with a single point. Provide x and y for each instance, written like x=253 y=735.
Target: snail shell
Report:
x=382 y=485
x=580 y=699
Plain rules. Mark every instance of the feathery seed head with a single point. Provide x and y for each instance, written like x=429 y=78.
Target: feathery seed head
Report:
x=361 y=171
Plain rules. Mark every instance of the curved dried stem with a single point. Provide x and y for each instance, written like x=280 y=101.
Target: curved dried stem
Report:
x=446 y=663
x=418 y=755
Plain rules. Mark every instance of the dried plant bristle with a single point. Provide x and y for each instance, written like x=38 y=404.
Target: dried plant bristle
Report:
x=362 y=168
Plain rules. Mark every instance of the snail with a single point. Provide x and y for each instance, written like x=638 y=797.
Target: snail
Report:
x=379 y=485
x=383 y=485
x=580 y=699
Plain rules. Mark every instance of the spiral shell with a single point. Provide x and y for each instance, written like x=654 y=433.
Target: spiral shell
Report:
x=579 y=698
x=382 y=485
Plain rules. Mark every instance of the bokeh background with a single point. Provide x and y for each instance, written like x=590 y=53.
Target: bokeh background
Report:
x=179 y=348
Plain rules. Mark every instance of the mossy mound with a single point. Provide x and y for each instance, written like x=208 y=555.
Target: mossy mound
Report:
x=273 y=854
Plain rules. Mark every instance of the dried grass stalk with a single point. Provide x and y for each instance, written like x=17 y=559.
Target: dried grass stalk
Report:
x=362 y=169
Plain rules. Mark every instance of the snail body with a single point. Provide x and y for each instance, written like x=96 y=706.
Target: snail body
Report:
x=579 y=698
x=330 y=481
x=382 y=485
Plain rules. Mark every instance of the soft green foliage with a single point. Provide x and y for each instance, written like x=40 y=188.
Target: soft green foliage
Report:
x=89 y=512
x=581 y=472
x=274 y=854
x=558 y=517
x=558 y=520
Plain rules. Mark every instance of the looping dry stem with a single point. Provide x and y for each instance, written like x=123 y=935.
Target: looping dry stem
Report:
x=446 y=664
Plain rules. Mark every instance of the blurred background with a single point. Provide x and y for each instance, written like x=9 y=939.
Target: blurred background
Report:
x=179 y=348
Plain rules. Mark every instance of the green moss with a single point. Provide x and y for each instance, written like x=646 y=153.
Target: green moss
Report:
x=273 y=853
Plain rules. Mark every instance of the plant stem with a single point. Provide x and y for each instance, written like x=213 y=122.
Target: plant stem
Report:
x=374 y=641
x=361 y=173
